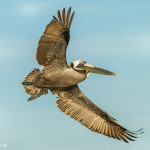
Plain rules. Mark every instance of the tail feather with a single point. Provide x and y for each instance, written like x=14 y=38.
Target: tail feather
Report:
x=30 y=88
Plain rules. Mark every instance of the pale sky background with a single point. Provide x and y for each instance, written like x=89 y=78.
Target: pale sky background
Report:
x=113 y=35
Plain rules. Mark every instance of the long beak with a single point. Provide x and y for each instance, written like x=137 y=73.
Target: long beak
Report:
x=94 y=69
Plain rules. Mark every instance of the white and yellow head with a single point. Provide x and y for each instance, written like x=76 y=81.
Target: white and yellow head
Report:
x=81 y=65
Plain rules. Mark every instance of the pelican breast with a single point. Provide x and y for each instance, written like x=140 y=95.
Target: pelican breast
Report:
x=64 y=78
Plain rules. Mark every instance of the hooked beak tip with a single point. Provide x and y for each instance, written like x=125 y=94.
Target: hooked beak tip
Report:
x=115 y=74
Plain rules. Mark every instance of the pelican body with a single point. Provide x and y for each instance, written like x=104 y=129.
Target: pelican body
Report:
x=62 y=79
x=69 y=76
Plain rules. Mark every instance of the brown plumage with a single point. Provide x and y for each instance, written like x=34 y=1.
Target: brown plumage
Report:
x=62 y=79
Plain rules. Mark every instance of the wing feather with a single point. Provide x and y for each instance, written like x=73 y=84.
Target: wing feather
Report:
x=71 y=20
x=59 y=16
x=67 y=18
x=117 y=133
x=100 y=124
x=121 y=136
x=109 y=130
x=113 y=132
x=63 y=16
x=106 y=129
x=103 y=128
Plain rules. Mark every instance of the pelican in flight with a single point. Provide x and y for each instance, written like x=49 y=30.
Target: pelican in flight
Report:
x=62 y=79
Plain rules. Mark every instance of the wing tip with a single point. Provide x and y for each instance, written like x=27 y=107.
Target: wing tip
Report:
x=64 y=19
x=130 y=135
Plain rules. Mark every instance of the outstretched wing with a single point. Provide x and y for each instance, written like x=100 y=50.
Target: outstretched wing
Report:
x=53 y=43
x=76 y=105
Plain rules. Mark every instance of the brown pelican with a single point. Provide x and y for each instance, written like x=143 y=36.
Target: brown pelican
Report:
x=62 y=79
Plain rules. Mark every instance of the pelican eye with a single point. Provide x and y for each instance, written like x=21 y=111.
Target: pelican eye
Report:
x=79 y=65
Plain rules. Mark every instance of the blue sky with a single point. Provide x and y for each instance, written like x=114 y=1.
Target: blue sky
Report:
x=113 y=35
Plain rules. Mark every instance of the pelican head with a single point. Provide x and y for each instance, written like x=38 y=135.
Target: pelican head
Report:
x=83 y=65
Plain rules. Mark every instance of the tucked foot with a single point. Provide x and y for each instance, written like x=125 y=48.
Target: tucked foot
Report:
x=43 y=91
x=27 y=83
x=33 y=97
